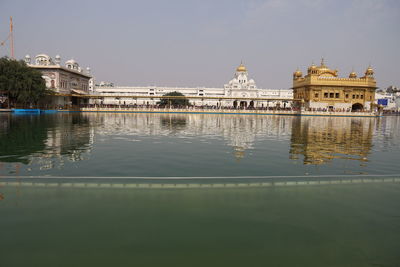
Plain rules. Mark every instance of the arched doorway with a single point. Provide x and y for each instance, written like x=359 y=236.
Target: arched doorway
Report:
x=251 y=105
x=243 y=104
x=357 y=107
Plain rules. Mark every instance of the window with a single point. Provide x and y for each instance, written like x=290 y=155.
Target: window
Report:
x=331 y=95
x=354 y=96
x=347 y=95
x=316 y=95
x=337 y=95
x=362 y=96
x=326 y=95
x=357 y=96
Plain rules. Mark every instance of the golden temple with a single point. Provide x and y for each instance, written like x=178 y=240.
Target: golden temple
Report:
x=322 y=89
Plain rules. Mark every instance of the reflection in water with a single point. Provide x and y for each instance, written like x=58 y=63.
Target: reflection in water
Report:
x=50 y=141
x=322 y=139
x=174 y=123
x=31 y=138
x=240 y=132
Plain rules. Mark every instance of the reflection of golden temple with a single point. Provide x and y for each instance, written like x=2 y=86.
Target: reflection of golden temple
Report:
x=239 y=152
x=321 y=88
x=321 y=140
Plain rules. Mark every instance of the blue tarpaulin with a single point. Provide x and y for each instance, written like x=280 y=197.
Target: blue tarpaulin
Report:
x=383 y=102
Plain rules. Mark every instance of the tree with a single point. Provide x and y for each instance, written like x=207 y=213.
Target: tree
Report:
x=23 y=86
x=177 y=99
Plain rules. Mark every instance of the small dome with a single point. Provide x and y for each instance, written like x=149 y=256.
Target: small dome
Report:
x=297 y=74
x=57 y=59
x=369 y=71
x=353 y=75
x=312 y=67
x=323 y=67
x=43 y=60
x=28 y=59
x=43 y=55
x=241 y=68
x=71 y=61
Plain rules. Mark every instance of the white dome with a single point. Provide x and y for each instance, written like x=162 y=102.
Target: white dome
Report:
x=71 y=61
x=43 y=55
x=43 y=60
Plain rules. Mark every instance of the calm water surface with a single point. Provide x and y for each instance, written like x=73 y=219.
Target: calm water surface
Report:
x=43 y=224
x=196 y=145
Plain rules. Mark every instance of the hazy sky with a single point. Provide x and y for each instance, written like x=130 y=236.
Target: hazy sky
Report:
x=200 y=43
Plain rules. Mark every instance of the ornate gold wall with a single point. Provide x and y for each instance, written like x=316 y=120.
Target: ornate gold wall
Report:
x=322 y=88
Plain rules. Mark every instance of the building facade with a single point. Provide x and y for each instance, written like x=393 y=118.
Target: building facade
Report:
x=322 y=88
x=66 y=81
x=241 y=91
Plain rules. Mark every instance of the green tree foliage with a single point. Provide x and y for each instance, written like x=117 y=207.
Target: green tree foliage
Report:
x=177 y=100
x=24 y=86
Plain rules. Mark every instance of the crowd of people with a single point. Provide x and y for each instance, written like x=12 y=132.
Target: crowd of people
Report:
x=191 y=107
x=212 y=107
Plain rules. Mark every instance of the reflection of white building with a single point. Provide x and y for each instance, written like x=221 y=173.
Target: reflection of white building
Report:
x=63 y=80
x=239 y=132
x=75 y=146
x=241 y=86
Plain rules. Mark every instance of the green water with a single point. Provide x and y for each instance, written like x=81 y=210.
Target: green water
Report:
x=163 y=145
x=354 y=224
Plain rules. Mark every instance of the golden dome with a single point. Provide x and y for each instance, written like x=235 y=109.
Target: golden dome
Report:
x=241 y=68
x=297 y=74
x=369 y=71
x=312 y=67
x=353 y=75
x=323 y=67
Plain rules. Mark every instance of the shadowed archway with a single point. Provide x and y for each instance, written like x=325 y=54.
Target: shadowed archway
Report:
x=357 y=107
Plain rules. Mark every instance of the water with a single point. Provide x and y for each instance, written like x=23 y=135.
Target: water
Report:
x=196 y=145
x=232 y=216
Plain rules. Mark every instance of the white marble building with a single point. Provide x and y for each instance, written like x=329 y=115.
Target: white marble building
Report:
x=241 y=91
x=63 y=80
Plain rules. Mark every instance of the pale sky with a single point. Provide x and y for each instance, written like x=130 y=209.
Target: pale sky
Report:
x=200 y=43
